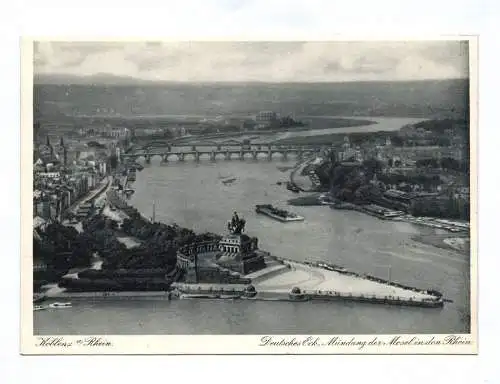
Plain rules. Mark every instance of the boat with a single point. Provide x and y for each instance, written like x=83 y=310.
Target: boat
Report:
x=128 y=191
x=277 y=214
x=39 y=307
x=228 y=180
x=292 y=187
x=197 y=296
x=60 y=305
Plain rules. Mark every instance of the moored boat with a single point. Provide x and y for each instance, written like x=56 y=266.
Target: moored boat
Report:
x=292 y=187
x=60 y=305
x=38 y=297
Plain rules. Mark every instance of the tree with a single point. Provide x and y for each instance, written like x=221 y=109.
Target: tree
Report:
x=372 y=167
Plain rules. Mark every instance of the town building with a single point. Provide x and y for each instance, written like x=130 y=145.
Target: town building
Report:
x=266 y=117
x=106 y=131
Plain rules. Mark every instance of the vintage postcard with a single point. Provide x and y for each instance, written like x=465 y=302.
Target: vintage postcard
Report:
x=249 y=197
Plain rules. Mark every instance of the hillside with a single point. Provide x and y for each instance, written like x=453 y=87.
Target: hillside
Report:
x=126 y=97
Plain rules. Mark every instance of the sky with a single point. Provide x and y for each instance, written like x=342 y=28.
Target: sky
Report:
x=277 y=61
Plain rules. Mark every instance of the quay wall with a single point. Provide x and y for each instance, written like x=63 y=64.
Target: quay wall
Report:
x=388 y=300
x=319 y=294
x=118 y=295
x=238 y=291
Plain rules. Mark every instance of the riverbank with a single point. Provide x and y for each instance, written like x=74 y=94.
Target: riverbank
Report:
x=303 y=182
x=461 y=229
x=312 y=199
x=450 y=242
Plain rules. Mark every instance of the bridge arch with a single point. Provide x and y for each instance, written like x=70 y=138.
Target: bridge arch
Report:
x=277 y=153
x=190 y=155
x=156 y=156
x=221 y=155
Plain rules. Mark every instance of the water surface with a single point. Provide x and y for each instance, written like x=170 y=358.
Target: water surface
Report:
x=192 y=195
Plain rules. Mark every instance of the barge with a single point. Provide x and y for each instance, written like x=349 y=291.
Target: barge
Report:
x=277 y=214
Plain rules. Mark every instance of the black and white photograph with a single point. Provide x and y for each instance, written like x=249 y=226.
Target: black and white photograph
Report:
x=271 y=188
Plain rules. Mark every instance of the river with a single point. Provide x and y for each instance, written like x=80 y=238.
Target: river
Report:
x=192 y=195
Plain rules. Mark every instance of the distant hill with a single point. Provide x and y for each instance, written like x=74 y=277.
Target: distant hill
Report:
x=97 y=79
x=103 y=93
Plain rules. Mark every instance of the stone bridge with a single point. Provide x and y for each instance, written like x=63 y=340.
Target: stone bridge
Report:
x=214 y=154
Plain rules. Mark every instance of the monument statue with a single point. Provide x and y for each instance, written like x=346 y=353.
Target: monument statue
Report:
x=236 y=226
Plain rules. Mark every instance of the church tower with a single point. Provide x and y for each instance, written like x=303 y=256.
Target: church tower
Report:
x=63 y=153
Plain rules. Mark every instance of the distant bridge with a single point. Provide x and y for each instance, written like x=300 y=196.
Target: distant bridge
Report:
x=227 y=153
x=206 y=143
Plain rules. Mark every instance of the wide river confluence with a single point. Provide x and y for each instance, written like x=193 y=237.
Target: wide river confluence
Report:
x=192 y=195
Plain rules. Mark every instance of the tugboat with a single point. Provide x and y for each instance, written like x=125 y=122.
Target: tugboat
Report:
x=277 y=214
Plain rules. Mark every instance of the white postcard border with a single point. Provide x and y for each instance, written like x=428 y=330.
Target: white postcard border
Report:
x=248 y=344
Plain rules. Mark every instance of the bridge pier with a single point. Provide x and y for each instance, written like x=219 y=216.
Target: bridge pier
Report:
x=148 y=159
x=227 y=155
x=197 y=156
x=193 y=148
x=269 y=154
x=164 y=158
x=285 y=154
x=242 y=155
x=212 y=156
x=181 y=156
x=219 y=147
x=254 y=154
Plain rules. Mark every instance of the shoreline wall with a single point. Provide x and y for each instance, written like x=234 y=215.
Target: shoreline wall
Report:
x=239 y=293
